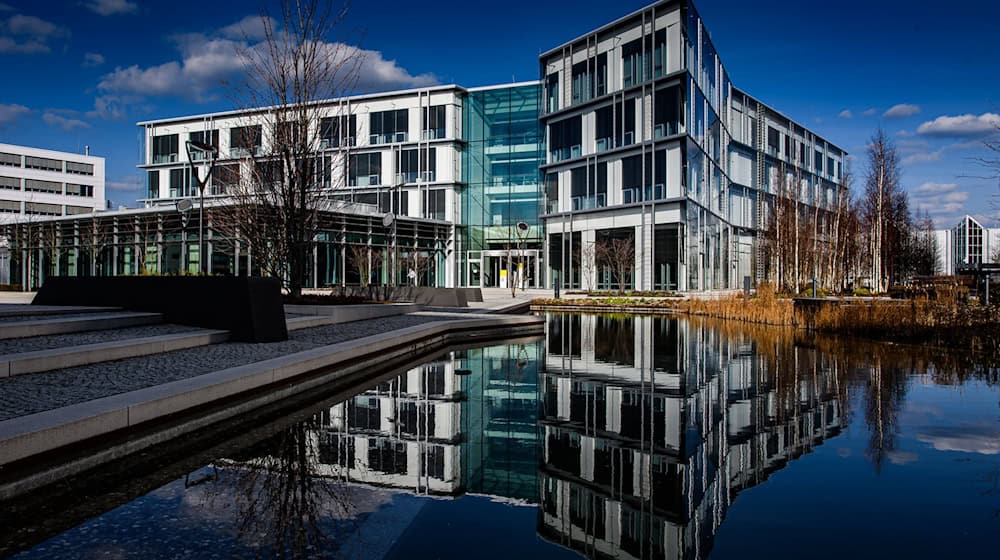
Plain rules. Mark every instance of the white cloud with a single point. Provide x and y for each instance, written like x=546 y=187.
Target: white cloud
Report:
x=28 y=34
x=962 y=126
x=11 y=112
x=870 y=112
x=901 y=111
x=207 y=62
x=110 y=107
x=53 y=118
x=111 y=7
x=940 y=200
x=923 y=157
x=93 y=59
x=251 y=28
x=983 y=440
x=936 y=188
x=846 y=114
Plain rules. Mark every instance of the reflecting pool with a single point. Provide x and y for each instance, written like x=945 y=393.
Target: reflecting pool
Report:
x=611 y=437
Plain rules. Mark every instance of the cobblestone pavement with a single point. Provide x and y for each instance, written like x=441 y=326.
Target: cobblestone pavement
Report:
x=17 y=345
x=28 y=394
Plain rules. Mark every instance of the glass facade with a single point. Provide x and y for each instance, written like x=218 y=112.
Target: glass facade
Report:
x=503 y=188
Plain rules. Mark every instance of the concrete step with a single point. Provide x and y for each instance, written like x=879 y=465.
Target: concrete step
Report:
x=308 y=322
x=17 y=310
x=80 y=323
x=70 y=356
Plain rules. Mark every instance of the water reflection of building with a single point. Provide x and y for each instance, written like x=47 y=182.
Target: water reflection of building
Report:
x=652 y=426
x=432 y=430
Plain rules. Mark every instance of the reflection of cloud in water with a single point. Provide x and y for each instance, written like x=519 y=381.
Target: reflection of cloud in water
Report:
x=902 y=457
x=844 y=452
x=982 y=439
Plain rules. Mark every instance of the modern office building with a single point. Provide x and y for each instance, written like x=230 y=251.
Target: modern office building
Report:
x=634 y=133
x=969 y=243
x=648 y=141
x=36 y=182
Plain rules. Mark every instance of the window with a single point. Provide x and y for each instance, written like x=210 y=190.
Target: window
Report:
x=12 y=160
x=601 y=75
x=667 y=112
x=10 y=183
x=337 y=131
x=631 y=179
x=633 y=63
x=552 y=93
x=416 y=165
x=818 y=161
x=72 y=210
x=566 y=139
x=605 y=128
x=660 y=53
x=224 y=177
x=45 y=164
x=365 y=170
x=434 y=119
x=153 y=184
x=773 y=140
x=244 y=141
x=578 y=188
x=434 y=205
x=79 y=168
x=210 y=137
x=34 y=185
x=165 y=148
x=581 y=82
x=625 y=116
x=396 y=203
x=41 y=209
x=79 y=190
x=552 y=192
x=10 y=207
x=389 y=126
x=180 y=182
x=600 y=185
x=290 y=136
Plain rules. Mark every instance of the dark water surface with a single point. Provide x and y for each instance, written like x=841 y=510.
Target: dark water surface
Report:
x=624 y=437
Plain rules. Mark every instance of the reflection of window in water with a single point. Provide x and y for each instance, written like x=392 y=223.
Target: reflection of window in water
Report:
x=433 y=379
x=336 y=449
x=416 y=419
x=386 y=456
x=365 y=413
x=432 y=461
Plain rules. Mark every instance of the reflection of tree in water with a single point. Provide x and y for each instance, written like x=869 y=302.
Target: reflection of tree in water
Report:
x=285 y=508
x=880 y=372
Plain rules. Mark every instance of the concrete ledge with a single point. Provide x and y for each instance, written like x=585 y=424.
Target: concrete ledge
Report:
x=91 y=322
x=48 y=431
x=58 y=358
x=307 y=322
x=348 y=313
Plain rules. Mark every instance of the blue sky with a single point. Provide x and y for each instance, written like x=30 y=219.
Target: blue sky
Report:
x=82 y=72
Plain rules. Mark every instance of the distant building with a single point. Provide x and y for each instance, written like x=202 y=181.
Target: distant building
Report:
x=968 y=243
x=36 y=182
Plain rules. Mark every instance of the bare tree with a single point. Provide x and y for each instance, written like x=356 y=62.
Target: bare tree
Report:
x=618 y=255
x=367 y=260
x=588 y=265
x=881 y=188
x=284 y=177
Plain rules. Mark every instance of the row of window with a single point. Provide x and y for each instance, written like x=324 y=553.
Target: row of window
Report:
x=52 y=187
x=42 y=209
x=47 y=164
x=385 y=127
x=642 y=178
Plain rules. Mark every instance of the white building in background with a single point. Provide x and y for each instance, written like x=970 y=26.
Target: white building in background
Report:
x=968 y=243
x=36 y=182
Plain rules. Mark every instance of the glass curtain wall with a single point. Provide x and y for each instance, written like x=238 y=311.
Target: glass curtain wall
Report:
x=502 y=184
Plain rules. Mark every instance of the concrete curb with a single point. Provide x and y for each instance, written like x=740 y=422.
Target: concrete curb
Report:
x=47 y=431
x=58 y=358
x=90 y=322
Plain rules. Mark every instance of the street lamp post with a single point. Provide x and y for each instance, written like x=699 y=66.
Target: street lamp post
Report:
x=192 y=146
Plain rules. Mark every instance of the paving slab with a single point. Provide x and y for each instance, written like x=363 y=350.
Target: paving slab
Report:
x=76 y=323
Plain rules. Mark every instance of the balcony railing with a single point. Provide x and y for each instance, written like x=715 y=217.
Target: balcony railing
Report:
x=164 y=158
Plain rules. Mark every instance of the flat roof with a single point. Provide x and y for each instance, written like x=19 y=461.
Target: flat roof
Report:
x=359 y=97
x=43 y=151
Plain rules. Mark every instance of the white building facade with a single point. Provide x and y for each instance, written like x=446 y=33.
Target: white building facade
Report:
x=649 y=142
x=36 y=182
x=968 y=243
